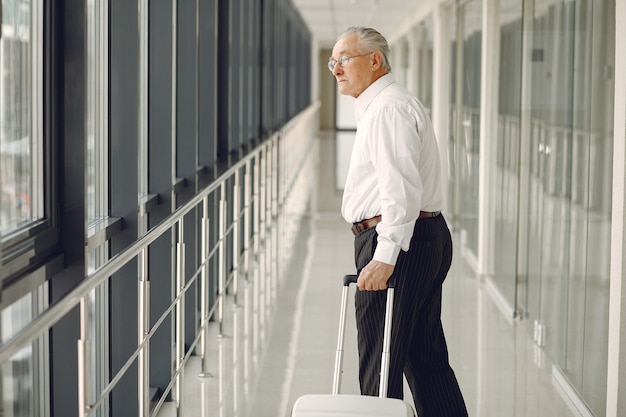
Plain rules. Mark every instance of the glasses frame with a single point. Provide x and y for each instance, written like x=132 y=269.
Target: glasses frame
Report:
x=343 y=60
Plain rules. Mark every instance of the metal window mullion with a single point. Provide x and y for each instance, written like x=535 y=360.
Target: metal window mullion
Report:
x=143 y=97
x=143 y=313
x=197 y=94
x=174 y=98
x=37 y=173
x=104 y=102
x=178 y=320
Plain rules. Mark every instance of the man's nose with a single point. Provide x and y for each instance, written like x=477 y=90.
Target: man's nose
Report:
x=336 y=68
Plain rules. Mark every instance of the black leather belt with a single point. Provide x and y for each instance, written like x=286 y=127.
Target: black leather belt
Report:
x=369 y=223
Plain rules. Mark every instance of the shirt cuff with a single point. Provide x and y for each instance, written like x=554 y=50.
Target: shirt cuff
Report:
x=386 y=251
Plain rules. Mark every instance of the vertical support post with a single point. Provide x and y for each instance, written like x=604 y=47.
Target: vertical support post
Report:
x=616 y=374
x=143 y=284
x=221 y=288
x=236 y=235
x=273 y=173
x=263 y=192
x=84 y=370
x=488 y=136
x=281 y=165
x=180 y=316
x=143 y=329
x=272 y=209
x=269 y=180
x=204 y=291
x=268 y=177
x=441 y=94
x=247 y=181
x=257 y=200
x=459 y=120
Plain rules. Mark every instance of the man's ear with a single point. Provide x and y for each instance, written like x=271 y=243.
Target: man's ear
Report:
x=377 y=60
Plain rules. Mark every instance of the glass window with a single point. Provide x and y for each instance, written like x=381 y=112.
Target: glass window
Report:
x=508 y=149
x=466 y=50
x=21 y=174
x=97 y=113
x=569 y=232
x=18 y=392
x=425 y=62
x=23 y=381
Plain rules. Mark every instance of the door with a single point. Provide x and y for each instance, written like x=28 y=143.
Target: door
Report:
x=570 y=142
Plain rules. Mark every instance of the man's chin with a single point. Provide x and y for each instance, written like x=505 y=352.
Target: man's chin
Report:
x=343 y=89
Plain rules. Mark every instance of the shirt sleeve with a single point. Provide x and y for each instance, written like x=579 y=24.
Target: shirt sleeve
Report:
x=395 y=155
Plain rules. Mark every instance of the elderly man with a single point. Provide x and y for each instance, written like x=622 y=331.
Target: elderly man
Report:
x=393 y=199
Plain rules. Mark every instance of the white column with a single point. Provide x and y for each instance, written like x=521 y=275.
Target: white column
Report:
x=490 y=69
x=616 y=378
x=441 y=89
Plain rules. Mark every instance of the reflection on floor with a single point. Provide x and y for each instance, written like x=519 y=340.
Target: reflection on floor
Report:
x=279 y=341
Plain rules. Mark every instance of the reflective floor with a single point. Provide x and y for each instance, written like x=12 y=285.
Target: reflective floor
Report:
x=279 y=336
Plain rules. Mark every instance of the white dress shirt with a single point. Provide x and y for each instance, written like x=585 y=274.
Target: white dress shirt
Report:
x=395 y=169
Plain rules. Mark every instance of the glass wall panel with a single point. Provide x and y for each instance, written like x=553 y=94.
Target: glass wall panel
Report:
x=23 y=378
x=551 y=121
x=508 y=148
x=97 y=105
x=465 y=119
x=419 y=62
x=400 y=60
x=425 y=63
x=21 y=176
x=569 y=231
x=587 y=329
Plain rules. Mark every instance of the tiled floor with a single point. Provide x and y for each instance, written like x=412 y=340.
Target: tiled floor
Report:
x=279 y=342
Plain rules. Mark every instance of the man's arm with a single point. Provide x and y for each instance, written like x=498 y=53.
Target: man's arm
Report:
x=396 y=154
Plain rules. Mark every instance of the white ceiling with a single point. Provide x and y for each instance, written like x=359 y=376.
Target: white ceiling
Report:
x=328 y=18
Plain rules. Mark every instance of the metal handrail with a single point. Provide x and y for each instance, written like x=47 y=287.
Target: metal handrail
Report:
x=76 y=296
x=56 y=311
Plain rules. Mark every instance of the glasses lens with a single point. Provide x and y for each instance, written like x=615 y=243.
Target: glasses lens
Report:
x=331 y=64
x=343 y=61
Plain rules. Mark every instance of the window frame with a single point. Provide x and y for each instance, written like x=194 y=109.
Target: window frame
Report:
x=30 y=253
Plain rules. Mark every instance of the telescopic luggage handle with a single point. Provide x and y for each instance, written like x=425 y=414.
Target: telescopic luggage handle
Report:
x=352 y=278
x=384 y=374
x=349 y=279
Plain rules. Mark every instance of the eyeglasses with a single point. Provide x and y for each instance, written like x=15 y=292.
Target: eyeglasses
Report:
x=343 y=61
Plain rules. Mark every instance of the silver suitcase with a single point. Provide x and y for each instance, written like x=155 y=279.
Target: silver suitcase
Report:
x=335 y=405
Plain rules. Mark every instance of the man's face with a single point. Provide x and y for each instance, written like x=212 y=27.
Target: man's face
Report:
x=357 y=74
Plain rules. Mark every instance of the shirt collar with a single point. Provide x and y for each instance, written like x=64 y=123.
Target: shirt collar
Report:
x=363 y=101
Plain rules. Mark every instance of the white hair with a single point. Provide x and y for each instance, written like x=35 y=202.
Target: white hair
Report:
x=371 y=40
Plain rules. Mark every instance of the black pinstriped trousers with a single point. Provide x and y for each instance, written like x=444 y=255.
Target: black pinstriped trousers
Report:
x=418 y=345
